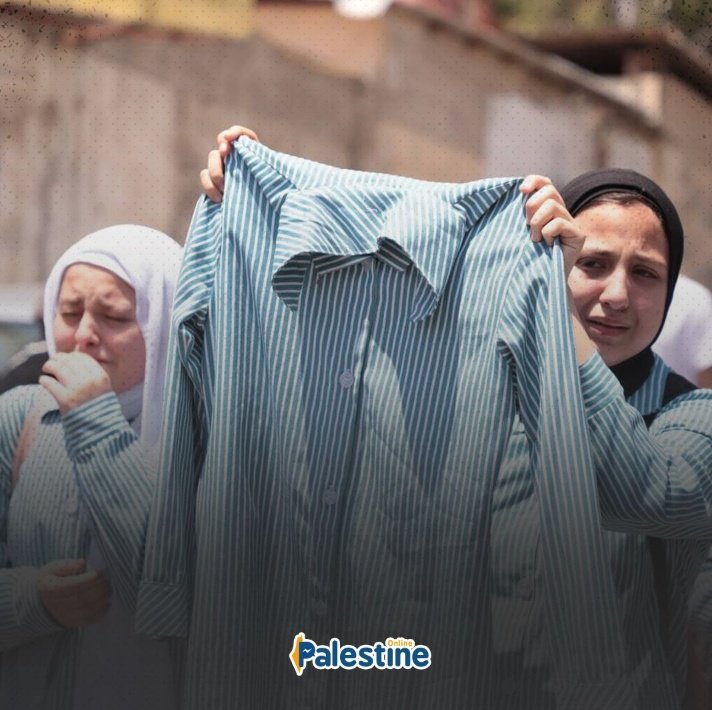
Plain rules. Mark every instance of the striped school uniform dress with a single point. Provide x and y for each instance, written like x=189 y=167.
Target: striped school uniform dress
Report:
x=349 y=353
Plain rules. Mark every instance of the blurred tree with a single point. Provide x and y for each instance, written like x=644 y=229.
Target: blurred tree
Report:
x=546 y=15
x=693 y=17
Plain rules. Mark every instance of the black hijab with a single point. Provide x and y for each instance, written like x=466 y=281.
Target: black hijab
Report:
x=580 y=193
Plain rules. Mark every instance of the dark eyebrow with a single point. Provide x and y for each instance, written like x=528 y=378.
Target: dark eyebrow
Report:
x=595 y=252
x=70 y=301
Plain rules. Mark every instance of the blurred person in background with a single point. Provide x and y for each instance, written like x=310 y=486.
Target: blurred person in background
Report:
x=23 y=350
x=66 y=621
x=623 y=245
x=25 y=366
x=685 y=342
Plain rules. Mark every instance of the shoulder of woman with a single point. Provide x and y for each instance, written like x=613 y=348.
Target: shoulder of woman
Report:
x=16 y=404
x=691 y=411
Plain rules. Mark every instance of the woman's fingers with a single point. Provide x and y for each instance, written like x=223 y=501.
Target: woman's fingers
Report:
x=212 y=178
x=73 y=379
x=234 y=132
x=549 y=214
x=216 y=170
x=57 y=390
x=531 y=183
x=538 y=199
x=208 y=186
x=227 y=136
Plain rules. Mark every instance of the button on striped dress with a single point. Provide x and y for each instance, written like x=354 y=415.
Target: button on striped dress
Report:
x=349 y=351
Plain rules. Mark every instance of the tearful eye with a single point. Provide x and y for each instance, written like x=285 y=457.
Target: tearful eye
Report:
x=590 y=264
x=645 y=273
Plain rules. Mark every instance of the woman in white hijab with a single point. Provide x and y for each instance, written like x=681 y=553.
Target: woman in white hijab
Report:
x=66 y=595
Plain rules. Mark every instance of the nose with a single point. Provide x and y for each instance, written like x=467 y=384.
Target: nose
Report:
x=86 y=335
x=615 y=290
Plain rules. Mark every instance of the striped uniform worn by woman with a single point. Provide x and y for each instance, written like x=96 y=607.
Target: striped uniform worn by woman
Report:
x=621 y=284
x=66 y=643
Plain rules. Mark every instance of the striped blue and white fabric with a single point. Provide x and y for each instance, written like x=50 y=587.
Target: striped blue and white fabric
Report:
x=700 y=618
x=44 y=519
x=679 y=445
x=349 y=352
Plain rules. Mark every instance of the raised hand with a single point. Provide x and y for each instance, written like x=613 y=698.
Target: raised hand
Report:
x=549 y=219
x=212 y=178
x=73 y=379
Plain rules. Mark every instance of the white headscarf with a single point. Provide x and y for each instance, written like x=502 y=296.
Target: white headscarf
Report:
x=148 y=261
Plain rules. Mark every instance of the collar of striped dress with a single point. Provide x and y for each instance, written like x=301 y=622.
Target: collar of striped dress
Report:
x=334 y=228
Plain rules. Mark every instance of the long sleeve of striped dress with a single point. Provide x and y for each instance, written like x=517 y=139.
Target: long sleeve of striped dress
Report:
x=656 y=482
x=115 y=485
x=115 y=482
x=656 y=656
x=45 y=518
x=23 y=617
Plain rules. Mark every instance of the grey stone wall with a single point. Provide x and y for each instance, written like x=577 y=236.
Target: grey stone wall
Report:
x=117 y=129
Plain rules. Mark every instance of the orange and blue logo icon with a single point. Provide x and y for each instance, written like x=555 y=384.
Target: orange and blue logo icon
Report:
x=391 y=654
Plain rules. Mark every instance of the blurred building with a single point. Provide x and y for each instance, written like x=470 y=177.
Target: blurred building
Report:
x=105 y=122
x=227 y=18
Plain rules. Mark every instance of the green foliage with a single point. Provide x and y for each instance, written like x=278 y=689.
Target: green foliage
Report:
x=693 y=17
x=547 y=15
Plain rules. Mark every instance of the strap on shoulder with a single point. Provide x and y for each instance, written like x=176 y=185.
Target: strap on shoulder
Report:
x=27 y=436
x=675 y=385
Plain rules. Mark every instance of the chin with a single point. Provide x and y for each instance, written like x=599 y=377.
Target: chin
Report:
x=611 y=356
x=613 y=360
x=616 y=357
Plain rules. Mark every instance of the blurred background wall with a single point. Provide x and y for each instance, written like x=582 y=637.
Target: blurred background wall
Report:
x=108 y=118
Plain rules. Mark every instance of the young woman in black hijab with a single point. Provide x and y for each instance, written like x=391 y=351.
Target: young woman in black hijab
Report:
x=623 y=248
x=626 y=188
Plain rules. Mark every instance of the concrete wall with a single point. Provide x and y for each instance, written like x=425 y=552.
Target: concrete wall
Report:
x=687 y=170
x=117 y=130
